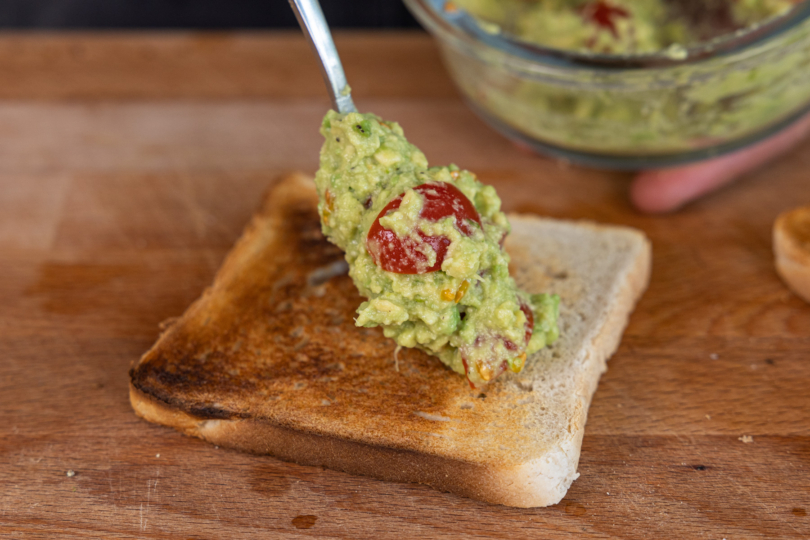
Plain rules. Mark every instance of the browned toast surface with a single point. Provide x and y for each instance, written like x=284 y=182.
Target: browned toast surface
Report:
x=269 y=360
x=274 y=338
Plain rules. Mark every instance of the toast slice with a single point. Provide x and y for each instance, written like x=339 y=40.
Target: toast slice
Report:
x=268 y=360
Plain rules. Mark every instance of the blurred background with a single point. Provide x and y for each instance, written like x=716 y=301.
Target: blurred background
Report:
x=203 y=14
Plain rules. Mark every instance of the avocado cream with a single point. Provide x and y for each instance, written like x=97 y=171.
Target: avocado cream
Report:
x=622 y=26
x=424 y=245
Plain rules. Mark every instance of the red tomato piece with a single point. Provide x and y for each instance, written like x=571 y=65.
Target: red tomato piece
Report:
x=529 y=321
x=604 y=15
x=406 y=255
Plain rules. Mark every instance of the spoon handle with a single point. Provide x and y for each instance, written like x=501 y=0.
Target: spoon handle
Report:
x=310 y=17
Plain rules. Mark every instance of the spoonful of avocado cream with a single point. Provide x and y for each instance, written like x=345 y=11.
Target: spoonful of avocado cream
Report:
x=424 y=244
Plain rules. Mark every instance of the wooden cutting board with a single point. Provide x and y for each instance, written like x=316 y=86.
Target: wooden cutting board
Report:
x=128 y=166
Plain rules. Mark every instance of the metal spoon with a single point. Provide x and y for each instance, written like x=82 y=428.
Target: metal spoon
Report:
x=310 y=17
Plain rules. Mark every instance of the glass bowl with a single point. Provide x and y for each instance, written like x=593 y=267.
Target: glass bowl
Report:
x=629 y=112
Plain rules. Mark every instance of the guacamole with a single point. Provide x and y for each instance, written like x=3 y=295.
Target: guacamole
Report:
x=424 y=245
x=678 y=105
x=622 y=26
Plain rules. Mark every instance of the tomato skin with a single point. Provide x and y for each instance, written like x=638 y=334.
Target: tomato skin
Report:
x=529 y=321
x=442 y=200
x=403 y=255
x=467 y=372
x=604 y=15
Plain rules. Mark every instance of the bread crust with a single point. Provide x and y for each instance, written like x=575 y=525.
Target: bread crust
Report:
x=268 y=361
x=791 y=244
x=390 y=464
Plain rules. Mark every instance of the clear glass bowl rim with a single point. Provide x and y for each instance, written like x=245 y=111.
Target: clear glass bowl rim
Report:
x=462 y=27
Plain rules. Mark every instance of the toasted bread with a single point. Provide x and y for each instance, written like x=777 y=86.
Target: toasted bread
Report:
x=268 y=360
x=791 y=245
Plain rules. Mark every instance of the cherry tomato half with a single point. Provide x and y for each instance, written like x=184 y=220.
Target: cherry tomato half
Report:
x=406 y=255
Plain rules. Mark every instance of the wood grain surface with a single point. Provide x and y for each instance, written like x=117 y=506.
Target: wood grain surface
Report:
x=130 y=163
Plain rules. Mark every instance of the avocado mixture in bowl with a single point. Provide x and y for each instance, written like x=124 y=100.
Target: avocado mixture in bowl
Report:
x=621 y=26
x=425 y=246
x=628 y=84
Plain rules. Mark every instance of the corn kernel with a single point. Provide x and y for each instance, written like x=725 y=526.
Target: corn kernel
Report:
x=462 y=290
x=329 y=207
x=517 y=364
x=484 y=370
x=448 y=295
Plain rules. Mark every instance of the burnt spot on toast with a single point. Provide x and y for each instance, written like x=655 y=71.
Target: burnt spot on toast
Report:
x=274 y=338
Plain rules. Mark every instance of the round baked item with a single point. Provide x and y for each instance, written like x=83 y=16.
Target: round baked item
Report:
x=791 y=245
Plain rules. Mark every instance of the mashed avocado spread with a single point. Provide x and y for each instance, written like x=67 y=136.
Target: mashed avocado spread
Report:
x=622 y=26
x=696 y=102
x=424 y=245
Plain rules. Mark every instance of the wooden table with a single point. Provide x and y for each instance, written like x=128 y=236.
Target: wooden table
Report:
x=130 y=163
